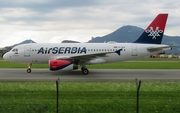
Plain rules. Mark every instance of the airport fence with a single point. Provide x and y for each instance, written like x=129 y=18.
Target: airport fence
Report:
x=88 y=101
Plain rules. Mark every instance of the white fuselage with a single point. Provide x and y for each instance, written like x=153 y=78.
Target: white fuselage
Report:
x=42 y=53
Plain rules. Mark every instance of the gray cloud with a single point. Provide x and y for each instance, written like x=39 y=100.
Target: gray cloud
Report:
x=46 y=5
x=80 y=18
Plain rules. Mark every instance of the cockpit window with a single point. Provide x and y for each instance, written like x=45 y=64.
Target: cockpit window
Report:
x=15 y=50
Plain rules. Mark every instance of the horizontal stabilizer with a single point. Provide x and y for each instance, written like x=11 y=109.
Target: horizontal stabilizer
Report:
x=152 y=49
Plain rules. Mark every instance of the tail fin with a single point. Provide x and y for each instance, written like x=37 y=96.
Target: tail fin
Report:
x=154 y=32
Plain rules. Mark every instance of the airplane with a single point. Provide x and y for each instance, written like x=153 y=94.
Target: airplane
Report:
x=67 y=56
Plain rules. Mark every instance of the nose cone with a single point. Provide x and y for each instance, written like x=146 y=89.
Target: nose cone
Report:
x=6 y=56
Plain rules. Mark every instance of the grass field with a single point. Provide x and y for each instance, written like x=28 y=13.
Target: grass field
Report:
x=143 y=63
x=85 y=97
x=158 y=59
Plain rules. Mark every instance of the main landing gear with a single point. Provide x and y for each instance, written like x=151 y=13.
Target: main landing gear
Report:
x=29 y=68
x=84 y=70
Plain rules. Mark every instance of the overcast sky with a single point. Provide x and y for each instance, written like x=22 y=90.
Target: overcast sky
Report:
x=49 y=21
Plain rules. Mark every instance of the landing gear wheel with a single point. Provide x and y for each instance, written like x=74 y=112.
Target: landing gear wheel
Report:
x=28 y=70
x=85 y=71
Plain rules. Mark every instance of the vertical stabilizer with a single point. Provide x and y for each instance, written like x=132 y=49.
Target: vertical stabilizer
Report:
x=153 y=34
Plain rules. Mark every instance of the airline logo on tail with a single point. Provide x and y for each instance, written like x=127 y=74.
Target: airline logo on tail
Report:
x=154 y=33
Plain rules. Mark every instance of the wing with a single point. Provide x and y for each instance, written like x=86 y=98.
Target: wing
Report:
x=85 y=57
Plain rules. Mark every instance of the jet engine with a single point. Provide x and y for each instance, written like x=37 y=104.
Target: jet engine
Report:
x=65 y=65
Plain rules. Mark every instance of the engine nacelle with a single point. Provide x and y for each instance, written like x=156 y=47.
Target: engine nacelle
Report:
x=64 y=65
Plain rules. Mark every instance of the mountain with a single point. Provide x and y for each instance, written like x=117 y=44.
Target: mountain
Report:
x=123 y=34
x=131 y=33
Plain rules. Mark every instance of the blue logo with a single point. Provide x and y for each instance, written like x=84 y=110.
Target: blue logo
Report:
x=119 y=52
x=154 y=33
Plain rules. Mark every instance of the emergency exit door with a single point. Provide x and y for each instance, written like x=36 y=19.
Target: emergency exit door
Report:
x=134 y=50
x=27 y=50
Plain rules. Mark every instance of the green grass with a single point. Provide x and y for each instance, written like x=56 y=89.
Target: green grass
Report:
x=137 y=65
x=119 y=65
x=5 y=64
x=158 y=59
x=141 y=63
x=81 y=97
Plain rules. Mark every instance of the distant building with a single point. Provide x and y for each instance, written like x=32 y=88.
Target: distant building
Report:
x=155 y=56
x=165 y=56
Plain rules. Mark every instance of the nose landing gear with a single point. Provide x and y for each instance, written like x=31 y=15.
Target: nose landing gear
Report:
x=29 y=68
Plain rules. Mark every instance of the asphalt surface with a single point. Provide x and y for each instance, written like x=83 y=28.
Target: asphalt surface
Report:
x=94 y=75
